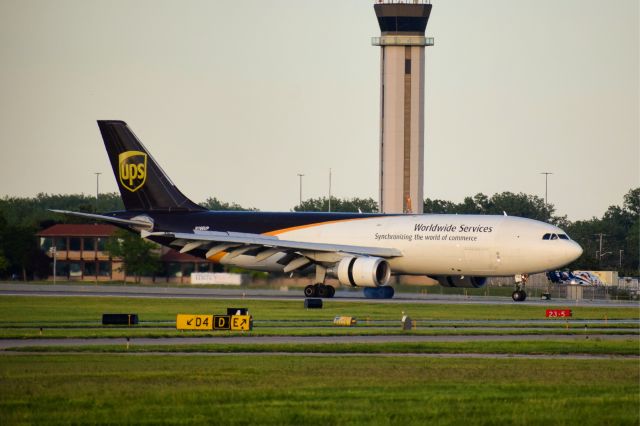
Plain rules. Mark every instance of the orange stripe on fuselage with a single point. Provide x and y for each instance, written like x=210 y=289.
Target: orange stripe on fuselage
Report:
x=311 y=225
x=216 y=258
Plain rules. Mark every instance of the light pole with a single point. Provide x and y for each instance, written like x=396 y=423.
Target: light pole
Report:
x=600 y=254
x=97 y=188
x=300 y=176
x=621 y=251
x=54 y=254
x=546 y=187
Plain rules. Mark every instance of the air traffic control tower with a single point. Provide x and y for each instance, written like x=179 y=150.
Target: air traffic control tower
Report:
x=402 y=43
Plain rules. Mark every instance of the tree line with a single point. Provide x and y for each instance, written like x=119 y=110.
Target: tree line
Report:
x=21 y=218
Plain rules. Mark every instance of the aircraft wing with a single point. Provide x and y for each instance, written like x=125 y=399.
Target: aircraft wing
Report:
x=190 y=241
x=298 y=253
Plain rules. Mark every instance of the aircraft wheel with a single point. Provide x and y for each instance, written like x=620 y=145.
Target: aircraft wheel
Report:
x=371 y=293
x=519 y=296
x=385 y=292
x=388 y=292
x=322 y=290
x=309 y=291
x=332 y=291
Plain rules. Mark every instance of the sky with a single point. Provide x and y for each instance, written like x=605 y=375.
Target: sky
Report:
x=235 y=98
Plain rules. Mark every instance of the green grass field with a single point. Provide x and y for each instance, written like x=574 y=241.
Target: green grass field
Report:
x=64 y=317
x=227 y=383
x=315 y=390
x=593 y=346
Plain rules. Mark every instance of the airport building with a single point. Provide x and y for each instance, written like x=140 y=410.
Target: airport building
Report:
x=80 y=255
x=402 y=80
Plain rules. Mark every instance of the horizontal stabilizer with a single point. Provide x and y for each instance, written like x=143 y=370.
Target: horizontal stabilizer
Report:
x=140 y=224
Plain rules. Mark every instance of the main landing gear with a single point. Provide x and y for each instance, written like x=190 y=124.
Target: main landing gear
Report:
x=319 y=290
x=384 y=292
x=520 y=295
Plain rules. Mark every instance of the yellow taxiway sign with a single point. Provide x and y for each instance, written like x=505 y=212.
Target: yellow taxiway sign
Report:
x=194 y=322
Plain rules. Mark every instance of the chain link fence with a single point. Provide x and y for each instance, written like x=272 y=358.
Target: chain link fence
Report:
x=538 y=284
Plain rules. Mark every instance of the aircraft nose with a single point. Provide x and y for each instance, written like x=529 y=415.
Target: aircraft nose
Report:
x=573 y=251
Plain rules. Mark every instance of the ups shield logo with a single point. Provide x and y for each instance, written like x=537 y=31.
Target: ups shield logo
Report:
x=132 y=168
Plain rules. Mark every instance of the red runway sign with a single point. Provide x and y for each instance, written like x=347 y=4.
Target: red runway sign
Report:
x=558 y=313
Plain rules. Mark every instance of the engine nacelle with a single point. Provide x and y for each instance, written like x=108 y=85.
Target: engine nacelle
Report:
x=364 y=271
x=460 y=282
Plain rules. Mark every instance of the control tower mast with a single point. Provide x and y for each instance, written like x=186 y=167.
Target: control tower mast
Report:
x=402 y=43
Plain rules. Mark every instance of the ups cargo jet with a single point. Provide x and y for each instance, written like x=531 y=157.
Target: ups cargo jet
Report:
x=360 y=250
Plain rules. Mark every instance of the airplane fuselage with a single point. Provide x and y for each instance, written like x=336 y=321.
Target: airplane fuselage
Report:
x=431 y=244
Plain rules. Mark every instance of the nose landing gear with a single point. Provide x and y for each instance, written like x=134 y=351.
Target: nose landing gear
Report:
x=520 y=295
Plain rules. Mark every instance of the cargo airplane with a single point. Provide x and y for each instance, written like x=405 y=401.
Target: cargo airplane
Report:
x=360 y=250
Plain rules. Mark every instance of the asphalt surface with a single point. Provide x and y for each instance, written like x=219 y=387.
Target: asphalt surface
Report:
x=346 y=355
x=10 y=289
x=262 y=340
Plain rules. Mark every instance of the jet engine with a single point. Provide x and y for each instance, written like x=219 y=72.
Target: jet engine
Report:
x=363 y=271
x=460 y=281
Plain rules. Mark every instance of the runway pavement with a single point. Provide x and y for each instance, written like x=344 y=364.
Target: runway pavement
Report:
x=258 y=340
x=347 y=355
x=11 y=289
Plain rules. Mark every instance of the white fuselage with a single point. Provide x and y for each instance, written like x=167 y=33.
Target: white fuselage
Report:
x=436 y=244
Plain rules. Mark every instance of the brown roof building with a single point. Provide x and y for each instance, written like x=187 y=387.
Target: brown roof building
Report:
x=78 y=253
x=68 y=230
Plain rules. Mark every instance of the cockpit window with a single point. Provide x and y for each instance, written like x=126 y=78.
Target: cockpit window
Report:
x=555 y=236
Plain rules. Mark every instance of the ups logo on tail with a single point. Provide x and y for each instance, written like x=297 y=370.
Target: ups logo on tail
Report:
x=132 y=169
